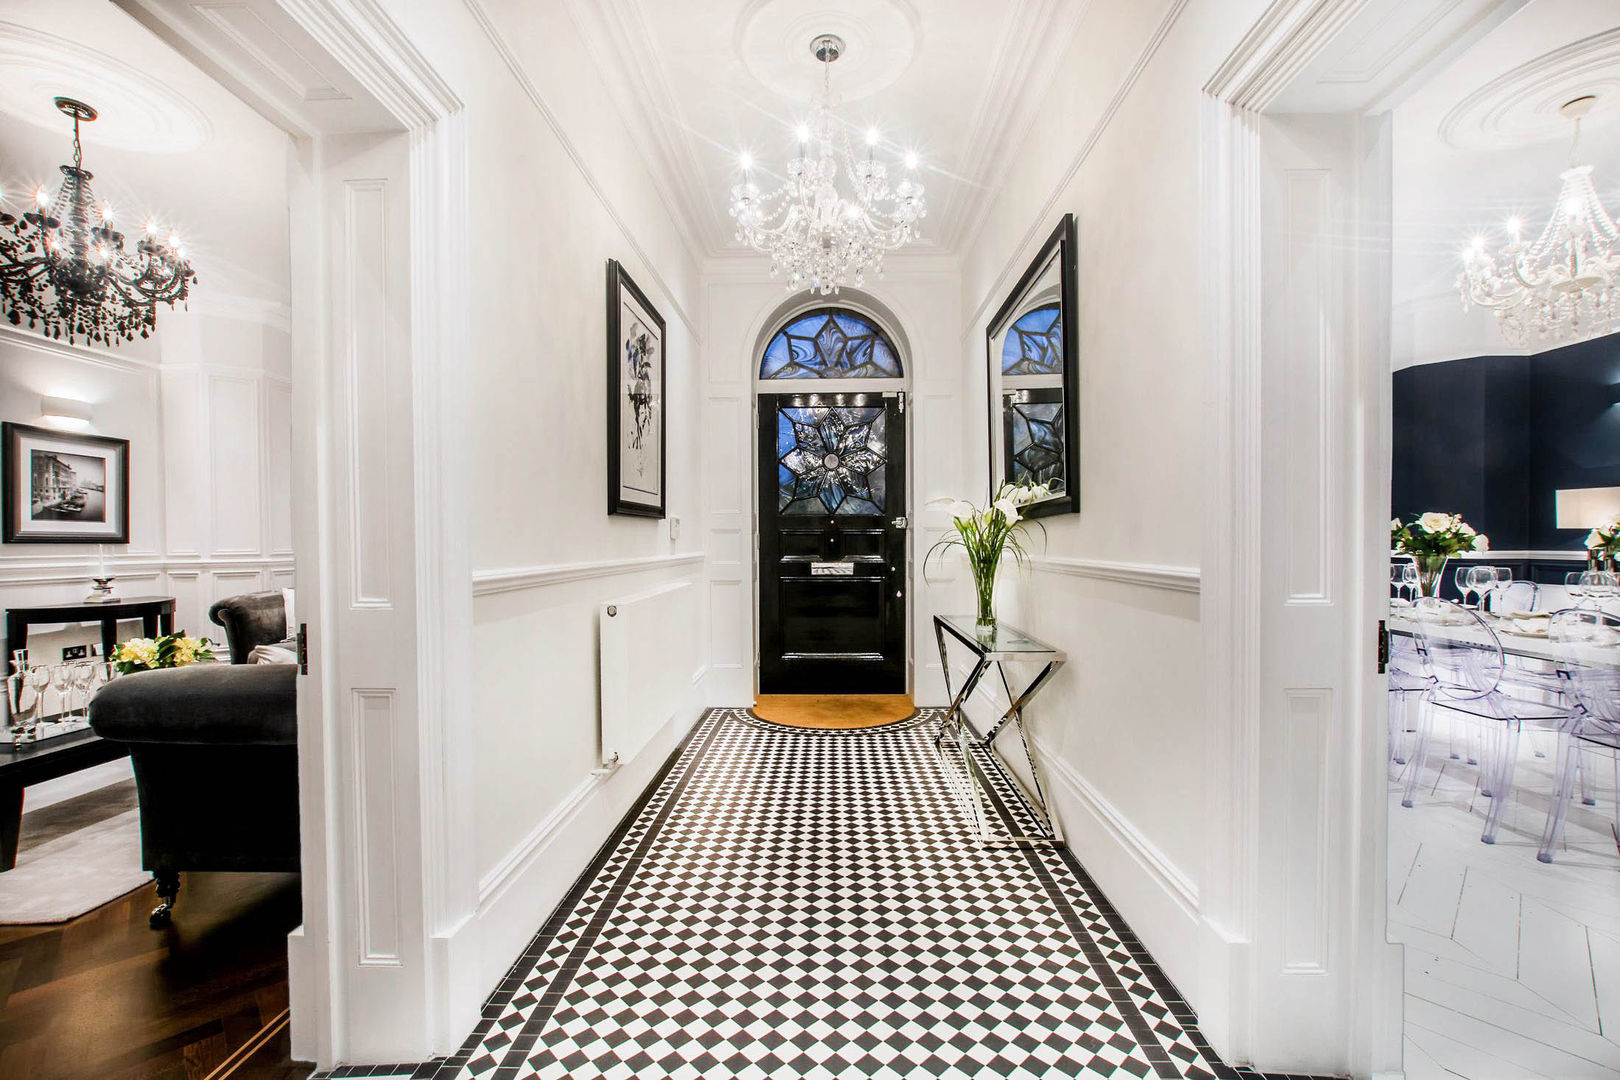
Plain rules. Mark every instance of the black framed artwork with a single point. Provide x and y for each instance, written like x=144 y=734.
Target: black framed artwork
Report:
x=636 y=408
x=64 y=488
x=1033 y=364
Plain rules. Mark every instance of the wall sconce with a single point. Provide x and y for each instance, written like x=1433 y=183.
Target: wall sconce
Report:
x=1614 y=393
x=66 y=412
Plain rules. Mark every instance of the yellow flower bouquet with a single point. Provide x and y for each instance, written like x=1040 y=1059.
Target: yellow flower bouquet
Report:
x=168 y=651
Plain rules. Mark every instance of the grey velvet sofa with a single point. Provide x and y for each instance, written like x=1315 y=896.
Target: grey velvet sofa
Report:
x=214 y=747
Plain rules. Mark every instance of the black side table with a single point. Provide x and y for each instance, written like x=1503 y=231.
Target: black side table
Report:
x=155 y=612
x=32 y=763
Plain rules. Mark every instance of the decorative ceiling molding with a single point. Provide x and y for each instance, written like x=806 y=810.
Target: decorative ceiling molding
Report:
x=1041 y=222
x=1385 y=41
x=881 y=39
x=138 y=111
x=1018 y=82
x=621 y=48
x=645 y=263
x=246 y=29
x=268 y=53
x=1520 y=107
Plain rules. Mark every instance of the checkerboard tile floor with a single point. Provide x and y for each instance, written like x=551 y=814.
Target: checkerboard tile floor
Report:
x=791 y=903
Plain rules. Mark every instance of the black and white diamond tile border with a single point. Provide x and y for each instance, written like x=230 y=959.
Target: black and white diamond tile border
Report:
x=788 y=903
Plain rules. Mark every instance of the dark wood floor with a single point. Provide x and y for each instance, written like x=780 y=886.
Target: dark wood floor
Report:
x=105 y=997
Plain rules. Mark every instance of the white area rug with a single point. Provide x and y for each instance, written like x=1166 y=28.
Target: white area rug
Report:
x=75 y=873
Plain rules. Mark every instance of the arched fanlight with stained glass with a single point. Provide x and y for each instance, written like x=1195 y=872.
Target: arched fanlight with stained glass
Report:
x=830 y=344
x=1034 y=344
x=831 y=460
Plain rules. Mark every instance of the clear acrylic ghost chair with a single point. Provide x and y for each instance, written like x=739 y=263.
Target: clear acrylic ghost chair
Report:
x=1406 y=679
x=1588 y=643
x=1515 y=597
x=1464 y=657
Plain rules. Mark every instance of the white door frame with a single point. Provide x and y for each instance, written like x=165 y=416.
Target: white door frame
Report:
x=1242 y=925
x=435 y=787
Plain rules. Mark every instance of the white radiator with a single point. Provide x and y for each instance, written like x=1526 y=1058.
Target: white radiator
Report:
x=649 y=652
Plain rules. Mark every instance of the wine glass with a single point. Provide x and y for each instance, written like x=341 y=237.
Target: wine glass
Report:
x=62 y=682
x=1504 y=578
x=39 y=679
x=1409 y=579
x=1483 y=580
x=1397 y=579
x=1465 y=582
x=82 y=674
x=1575 y=584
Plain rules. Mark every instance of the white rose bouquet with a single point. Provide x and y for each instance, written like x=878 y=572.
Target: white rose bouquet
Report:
x=1431 y=539
x=168 y=651
x=1605 y=539
x=984 y=536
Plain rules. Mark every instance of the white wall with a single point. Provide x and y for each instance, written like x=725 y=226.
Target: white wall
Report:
x=738 y=301
x=1117 y=143
x=209 y=484
x=559 y=187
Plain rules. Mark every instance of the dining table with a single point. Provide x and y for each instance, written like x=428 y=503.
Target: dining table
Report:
x=1517 y=633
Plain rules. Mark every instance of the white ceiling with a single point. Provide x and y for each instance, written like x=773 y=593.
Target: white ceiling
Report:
x=1481 y=141
x=702 y=80
x=170 y=142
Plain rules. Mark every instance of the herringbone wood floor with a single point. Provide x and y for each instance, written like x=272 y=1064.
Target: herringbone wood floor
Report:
x=105 y=997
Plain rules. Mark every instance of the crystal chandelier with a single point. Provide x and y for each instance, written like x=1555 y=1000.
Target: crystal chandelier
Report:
x=1563 y=285
x=816 y=235
x=63 y=266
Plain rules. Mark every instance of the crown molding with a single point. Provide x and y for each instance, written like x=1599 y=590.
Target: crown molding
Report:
x=1041 y=222
x=276 y=314
x=1019 y=80
x=647 y=267
x=620 y=46
x=100 y=356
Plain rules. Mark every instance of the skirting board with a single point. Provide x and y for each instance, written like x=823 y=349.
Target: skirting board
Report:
x=1156 y=897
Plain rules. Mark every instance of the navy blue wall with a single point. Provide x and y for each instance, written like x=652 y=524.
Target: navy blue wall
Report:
x=1493 y=437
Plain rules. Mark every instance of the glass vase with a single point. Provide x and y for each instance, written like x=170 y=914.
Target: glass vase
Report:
x=984 y=584
x=1431 y=570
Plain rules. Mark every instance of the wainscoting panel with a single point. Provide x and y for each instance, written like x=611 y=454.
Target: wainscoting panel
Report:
x=376 y=814
x=235 y=449
x=1310 y=344
x=278 y=465
x=1305 y=830
x=367 y=377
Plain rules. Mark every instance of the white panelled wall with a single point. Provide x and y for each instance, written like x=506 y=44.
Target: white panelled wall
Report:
x=208 y=417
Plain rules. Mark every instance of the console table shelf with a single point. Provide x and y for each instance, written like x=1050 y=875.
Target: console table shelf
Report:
x=155 y=612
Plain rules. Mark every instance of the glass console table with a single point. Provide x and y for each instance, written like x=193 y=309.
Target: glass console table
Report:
x=969 y=758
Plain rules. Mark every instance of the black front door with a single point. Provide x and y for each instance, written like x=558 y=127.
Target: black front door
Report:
x=832 y=543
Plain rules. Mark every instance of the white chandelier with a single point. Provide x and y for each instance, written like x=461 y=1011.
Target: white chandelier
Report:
x=1564 y=285
x=817 y=236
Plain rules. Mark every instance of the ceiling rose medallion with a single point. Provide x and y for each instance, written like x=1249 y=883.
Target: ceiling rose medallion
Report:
x=820 y=235
x=64 y=269
x=1563 y=285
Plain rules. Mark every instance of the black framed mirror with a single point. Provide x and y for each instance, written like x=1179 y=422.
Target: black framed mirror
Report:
x=1032 y=356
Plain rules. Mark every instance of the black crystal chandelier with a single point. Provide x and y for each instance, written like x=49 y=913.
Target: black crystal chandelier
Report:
x=64 y=269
